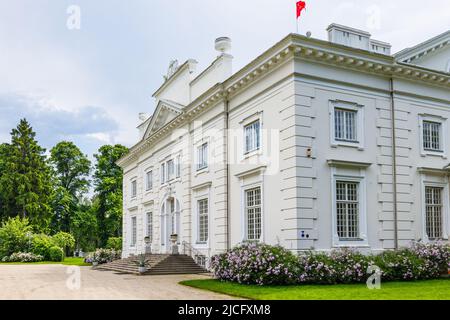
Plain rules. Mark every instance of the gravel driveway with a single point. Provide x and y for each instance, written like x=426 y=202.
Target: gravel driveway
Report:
x=57 y=282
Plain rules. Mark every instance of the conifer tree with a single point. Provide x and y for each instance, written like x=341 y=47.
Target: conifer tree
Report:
x=25 y=183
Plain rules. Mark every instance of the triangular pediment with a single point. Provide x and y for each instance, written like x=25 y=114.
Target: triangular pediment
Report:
x=165 y=112
x=432 y=54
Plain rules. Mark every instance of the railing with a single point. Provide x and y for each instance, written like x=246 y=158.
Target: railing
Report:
x=194 y=253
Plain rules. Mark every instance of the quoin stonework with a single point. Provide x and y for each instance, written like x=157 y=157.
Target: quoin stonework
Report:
x=313 y=145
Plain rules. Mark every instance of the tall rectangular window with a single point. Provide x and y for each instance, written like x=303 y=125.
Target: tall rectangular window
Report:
x=202 y=207
x=252 y=134
x=432 y=136
x=202 y=157
x=149 y=179
x=253 y=214
x=163 y=173
x=133 y=231
x=345 y=125
x=170 y=170
x=150 y=225
x=134 y=189
x=178 y=167
x=347 y=205
x=433 y=208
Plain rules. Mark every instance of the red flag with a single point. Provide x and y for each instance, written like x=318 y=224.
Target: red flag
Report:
x=301 y=5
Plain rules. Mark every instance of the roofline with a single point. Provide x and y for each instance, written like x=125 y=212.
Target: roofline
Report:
x=306 y=48
x=173 y=77
x=405 y=52
x=355 y=30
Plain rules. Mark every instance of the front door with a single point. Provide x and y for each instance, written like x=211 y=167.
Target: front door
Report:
x=170 y=224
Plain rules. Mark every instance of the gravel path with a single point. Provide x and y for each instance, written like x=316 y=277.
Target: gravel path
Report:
x=57 y=282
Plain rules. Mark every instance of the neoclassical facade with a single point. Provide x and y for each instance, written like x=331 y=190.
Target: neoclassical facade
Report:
x=313 y=145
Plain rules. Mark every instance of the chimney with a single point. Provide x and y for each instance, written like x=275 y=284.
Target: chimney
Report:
x=356 y=38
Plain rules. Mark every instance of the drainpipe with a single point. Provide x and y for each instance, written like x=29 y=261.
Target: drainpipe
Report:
x=394 y=162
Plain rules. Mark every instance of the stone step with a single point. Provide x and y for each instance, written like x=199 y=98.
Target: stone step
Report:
x=157 y=264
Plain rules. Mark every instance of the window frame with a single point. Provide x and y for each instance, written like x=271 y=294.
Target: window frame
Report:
x=348 y=202
x=133 y=189
x=202 y=154
x=149 y=225
x=439 y=205
x=199 y=216
x=133 y=235
x=261 y=212
x=149 y=182
x=358 y=176
x=428 y=181
x=442 y=135
x=257 y=147
x=335 y=142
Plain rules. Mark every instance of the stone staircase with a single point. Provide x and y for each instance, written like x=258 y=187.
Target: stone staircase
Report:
x=176 y=264
x=158 y=264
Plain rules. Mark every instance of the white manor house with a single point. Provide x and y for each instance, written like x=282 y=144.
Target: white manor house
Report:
x=313 y=145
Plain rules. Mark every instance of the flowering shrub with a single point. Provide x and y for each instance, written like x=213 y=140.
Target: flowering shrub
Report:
x=436 y=256
x=103 y=256
x=23 y=257
x=340 y=266
x=400 y=265
x=263 y=264
x=256 y=264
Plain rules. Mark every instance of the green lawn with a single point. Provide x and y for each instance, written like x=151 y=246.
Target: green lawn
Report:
x=70 y=261
x=420 y=290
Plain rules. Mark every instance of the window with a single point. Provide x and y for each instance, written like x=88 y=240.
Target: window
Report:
x=150 y=226
x=347 y=209
x=170 y=170
x=433 y=212
x=178 y=167
x=253 y=214
x=202 y=207
x=133 y=231
x=252 y=135
x=432 y=136
x=134 y=189
x=345 y=125
x=202 y=157
x=149 y=178
x=163 y=173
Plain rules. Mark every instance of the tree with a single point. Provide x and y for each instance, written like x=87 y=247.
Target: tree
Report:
x=4 y=205
x=84 y=226
x=71 y=171
x=108 y=187
x=71 y=167
x=15 y=236
x=26 y=181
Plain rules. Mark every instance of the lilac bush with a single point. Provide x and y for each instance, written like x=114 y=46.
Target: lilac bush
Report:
x=254 y=263
x=267 y=265
x=436 y=256
x=23 y=257
x=103 y=256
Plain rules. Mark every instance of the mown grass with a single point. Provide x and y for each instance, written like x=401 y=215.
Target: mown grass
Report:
x=418 y=290
x=69 y=261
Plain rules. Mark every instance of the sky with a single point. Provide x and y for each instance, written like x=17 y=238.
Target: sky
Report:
x=86 y=80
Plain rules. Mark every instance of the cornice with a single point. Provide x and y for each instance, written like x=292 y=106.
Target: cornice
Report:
x=298 y=47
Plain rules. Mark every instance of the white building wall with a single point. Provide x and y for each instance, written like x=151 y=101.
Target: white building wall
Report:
x=294 y=104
